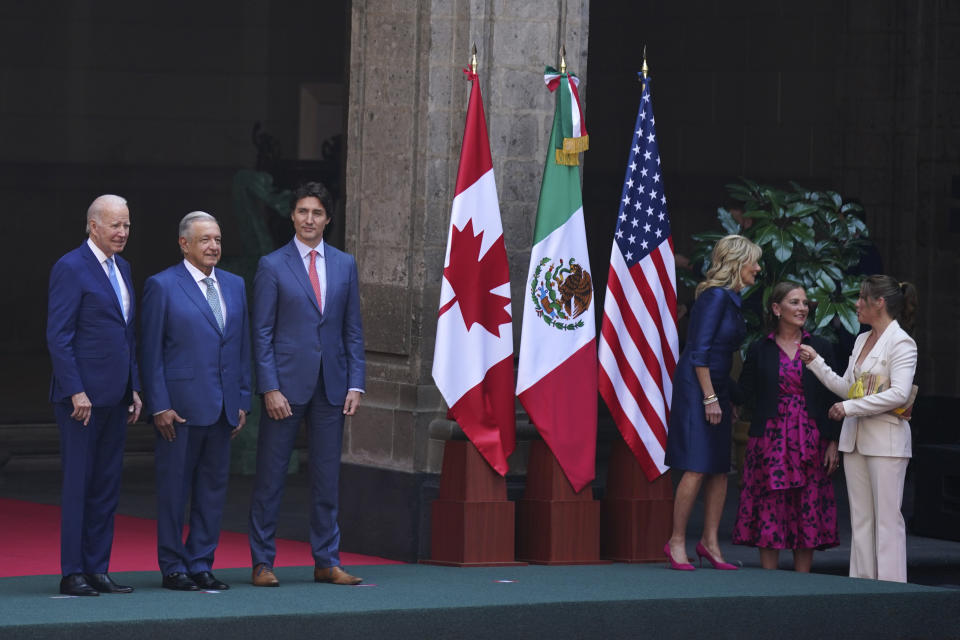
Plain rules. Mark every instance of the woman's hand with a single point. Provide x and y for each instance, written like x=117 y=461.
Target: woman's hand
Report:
x=837 y=412
x=713 y=412
x=807 y=353
x=831 y=459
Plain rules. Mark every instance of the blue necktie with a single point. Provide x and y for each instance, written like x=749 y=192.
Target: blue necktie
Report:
x=112 y=272
x=214 y=299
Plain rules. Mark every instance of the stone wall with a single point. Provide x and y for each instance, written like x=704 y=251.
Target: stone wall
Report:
x=407 y=108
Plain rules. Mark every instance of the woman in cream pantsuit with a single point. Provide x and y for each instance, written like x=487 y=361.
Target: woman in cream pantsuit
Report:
x=874 y=440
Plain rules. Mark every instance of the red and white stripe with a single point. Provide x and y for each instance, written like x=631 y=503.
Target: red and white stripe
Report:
x=638 y=351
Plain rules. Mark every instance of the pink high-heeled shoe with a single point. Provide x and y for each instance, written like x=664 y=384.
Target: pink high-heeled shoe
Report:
x=679 y=566
x=717 y=564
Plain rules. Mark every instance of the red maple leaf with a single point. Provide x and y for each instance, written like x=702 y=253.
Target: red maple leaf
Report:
x=472 y=279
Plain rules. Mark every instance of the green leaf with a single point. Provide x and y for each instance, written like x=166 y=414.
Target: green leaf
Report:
x=851 y=208
x=782 y=244
x=803 y=233
x=833 y=271
x=825 y=312
x=849 y=320
x=758 y=214
x=727 y=221
x=826 y=282
x=764 y=234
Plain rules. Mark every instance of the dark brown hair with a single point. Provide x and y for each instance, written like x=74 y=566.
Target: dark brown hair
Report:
x=314 y=190
x=901 y=297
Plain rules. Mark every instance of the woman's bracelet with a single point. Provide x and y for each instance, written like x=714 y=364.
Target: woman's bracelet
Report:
x=710 y=399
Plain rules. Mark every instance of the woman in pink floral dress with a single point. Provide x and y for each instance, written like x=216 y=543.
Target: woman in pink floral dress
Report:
x=787 y=500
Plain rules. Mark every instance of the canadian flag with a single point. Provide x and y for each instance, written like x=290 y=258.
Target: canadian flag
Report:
x=473 y=358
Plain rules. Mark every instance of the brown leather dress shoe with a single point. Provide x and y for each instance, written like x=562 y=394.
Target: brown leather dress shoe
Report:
x=263 y=576
x=335 y=575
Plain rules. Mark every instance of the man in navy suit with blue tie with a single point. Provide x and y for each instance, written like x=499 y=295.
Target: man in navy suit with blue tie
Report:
x=94 y=391
x=308 y=345
x=196 y=363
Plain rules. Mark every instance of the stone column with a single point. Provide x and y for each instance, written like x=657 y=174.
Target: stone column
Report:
x=407 y=106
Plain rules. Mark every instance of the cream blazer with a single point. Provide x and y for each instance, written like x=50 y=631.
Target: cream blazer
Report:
x=869 y=428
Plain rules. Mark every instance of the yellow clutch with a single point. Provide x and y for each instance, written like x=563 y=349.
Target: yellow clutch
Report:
x=871 y=383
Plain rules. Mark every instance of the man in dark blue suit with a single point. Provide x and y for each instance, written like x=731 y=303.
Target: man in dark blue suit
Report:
x=196 y=362
x=94 y=391
x=308 y=345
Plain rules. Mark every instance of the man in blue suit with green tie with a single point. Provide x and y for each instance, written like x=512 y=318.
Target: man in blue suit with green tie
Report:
x=94 y=391
x=308 y=345
x=196 y=364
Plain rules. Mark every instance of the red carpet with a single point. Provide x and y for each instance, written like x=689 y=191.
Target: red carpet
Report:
x=30 y=544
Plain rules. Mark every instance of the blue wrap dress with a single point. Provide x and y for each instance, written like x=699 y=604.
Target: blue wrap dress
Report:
x=716 y=330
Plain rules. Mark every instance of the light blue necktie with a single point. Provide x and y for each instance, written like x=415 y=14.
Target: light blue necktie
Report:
x=112 y=272
x=214 y=299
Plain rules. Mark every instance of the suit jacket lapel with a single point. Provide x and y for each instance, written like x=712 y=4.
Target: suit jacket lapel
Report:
x=123 y=268
x=100 y=276
x=879 y=350
x=192 y=291
x=230 y=299
x=335 y=273
x=295 y=264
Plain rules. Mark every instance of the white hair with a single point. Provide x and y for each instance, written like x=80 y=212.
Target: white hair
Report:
x=102 y=203
x=194 y=216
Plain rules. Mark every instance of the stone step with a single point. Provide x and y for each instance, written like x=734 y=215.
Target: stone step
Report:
x=36 y=446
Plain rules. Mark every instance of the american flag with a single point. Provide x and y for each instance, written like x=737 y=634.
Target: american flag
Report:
x=638 y=342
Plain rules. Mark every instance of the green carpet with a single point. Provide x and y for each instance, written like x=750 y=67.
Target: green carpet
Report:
x=419 y=601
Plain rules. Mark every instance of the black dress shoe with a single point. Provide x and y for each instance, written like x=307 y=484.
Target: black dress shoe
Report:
x=179 y=582
x=206 y=580
x=76 y=584
x=103 y=583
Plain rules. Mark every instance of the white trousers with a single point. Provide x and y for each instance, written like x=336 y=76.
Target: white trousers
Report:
x=878 y=549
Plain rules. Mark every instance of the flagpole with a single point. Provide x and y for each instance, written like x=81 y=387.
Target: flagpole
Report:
x=563 y=59
x=473 y=59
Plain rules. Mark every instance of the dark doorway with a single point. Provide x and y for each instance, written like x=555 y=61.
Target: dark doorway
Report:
x=157 y=102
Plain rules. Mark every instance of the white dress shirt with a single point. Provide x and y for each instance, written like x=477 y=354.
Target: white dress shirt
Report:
x=102 y=259
x=198 y=276
x=321 y=265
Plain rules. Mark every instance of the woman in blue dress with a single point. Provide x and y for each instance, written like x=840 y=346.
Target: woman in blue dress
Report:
x=698 y=440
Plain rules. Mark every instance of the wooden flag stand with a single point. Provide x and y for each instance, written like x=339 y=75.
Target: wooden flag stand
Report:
x=472 y=522
x=637 y=514
x=555 y=525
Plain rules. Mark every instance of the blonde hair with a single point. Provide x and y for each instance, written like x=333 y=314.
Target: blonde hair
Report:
x=729 y=256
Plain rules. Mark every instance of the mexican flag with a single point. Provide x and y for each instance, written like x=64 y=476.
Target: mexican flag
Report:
x=557 y=374
x=473 y=357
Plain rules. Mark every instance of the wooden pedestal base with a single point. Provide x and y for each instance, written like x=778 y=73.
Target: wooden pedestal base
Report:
x=555 y=525
x=472 y=522
x=637 y=515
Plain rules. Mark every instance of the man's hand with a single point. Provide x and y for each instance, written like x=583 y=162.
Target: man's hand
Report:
x=133 y=411
x=351 y=403
x=241 y=420
x=276 y=405
x=164 y=422
x=81 y=408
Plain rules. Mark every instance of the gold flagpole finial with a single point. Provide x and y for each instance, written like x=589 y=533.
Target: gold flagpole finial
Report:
x=563 y=59
x=473 y=58
x=645 y=69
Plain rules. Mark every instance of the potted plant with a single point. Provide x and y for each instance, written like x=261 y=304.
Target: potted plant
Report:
x=809 y=237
